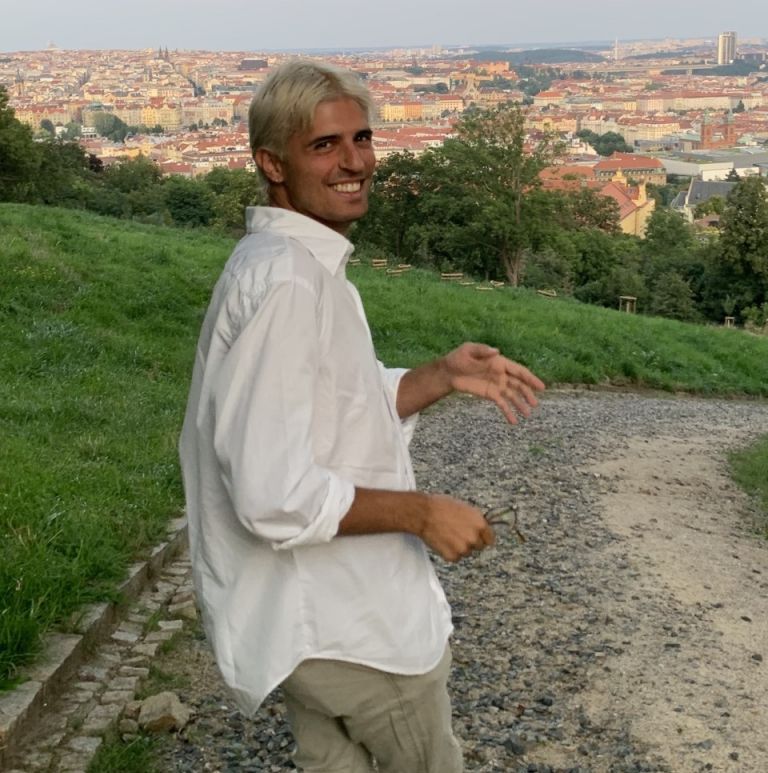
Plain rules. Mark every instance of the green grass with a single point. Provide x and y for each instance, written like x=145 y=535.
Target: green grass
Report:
x=116 y=756
x=99 y=319
x=415 y=317
x=160 y=680
x=749 y=468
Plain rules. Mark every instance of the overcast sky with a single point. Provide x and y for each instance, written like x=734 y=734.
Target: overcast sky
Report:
x=255 y=25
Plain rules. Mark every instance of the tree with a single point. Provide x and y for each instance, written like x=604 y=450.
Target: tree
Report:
x=550 y=270
x=668 y=244
x=233 y=190
x=732 y=176
x=713 y=206
x=667 y=232
x=131 y=188
x=394 y=203
x=584 y=208
x=47 y=126
x=72 y=131
x=664 y=194
x=133 y=174
x=188 y=202
x=110 y=126
x=64 y=174
x=483 y=178
x=598 y=253
x=18 y=158
x=605 y=144
x=672 y=297
x=744 y=244
x=622 y=279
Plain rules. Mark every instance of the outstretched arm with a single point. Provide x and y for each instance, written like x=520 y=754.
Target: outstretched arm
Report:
x=474 y=369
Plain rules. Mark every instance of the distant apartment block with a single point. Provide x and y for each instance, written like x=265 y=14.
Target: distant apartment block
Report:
x=726 y=47
x=633 y=167
x=253 y=64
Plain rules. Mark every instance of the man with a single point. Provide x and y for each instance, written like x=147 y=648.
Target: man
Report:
x=308 y=538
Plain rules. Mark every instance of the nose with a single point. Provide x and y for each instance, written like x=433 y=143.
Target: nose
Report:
x=350 y=158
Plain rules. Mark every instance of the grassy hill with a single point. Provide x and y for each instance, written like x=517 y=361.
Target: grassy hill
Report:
x=99 y=319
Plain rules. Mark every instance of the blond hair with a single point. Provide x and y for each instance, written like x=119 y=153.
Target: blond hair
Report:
x=287 y=100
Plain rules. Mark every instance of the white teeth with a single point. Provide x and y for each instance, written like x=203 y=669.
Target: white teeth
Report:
x=347 y=187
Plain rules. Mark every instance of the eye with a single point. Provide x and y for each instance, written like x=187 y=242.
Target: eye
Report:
x=322 y=145
x=364 y=137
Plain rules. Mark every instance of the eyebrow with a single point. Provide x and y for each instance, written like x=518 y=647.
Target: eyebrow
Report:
x=365 y=133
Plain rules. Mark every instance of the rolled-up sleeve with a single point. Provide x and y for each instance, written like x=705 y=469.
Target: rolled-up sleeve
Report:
x=391 y=378
x=263 y=403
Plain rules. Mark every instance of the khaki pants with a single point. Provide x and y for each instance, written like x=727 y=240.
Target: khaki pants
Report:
x=343 y=716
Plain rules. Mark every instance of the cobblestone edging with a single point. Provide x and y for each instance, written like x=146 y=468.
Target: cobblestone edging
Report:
x=84 y=681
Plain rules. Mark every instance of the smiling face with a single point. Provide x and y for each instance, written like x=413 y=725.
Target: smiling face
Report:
x=326 y=171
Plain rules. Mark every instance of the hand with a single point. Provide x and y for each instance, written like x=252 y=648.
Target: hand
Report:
x=454 y=529
x=481 y=370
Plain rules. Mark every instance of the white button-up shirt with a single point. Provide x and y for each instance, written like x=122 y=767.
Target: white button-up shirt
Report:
x=288 y=411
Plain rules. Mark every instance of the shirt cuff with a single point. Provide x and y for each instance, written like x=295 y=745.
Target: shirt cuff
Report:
x=391 y=378
x=325 y=527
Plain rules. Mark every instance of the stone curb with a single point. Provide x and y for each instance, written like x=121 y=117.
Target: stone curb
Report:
x=64 y=653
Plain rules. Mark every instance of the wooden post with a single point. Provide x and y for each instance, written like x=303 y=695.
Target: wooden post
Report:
x=628 y=303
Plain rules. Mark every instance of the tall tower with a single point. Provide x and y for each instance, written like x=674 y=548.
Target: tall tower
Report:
x=726 y=47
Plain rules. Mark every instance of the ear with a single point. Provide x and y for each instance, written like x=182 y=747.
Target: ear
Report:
x=270 y=165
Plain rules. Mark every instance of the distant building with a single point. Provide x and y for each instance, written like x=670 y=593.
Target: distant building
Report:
x=633 y=166
x=635 y=207
x=699 y=191
x=726 y=47
x=253 y=64
x=719 y=132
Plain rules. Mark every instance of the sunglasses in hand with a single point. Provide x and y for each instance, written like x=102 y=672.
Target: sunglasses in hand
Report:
x=505 y=516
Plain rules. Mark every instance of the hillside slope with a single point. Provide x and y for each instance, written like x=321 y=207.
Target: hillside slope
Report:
x=99 y=319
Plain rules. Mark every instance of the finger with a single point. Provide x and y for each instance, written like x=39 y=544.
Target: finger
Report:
x=521 y=373
x=496 y=396
x=449 y=555
x=512 y=403
x=482 y=351
x=521 y=396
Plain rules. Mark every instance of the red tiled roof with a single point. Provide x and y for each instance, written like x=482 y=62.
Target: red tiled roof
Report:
x=619 y=161
x=621 y=196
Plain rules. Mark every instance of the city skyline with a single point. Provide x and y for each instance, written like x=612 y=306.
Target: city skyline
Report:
x=237 y=25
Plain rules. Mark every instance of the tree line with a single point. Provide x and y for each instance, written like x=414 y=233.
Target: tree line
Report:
x=475 y=204
x=59 y=172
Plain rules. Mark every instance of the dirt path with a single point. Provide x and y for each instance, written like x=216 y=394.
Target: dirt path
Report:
x=697 y=694
x=628 y=634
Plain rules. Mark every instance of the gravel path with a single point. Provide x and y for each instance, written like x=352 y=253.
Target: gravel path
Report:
x=628 y=633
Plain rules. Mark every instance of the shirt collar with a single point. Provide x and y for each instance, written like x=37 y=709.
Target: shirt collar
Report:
x=330 y=249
